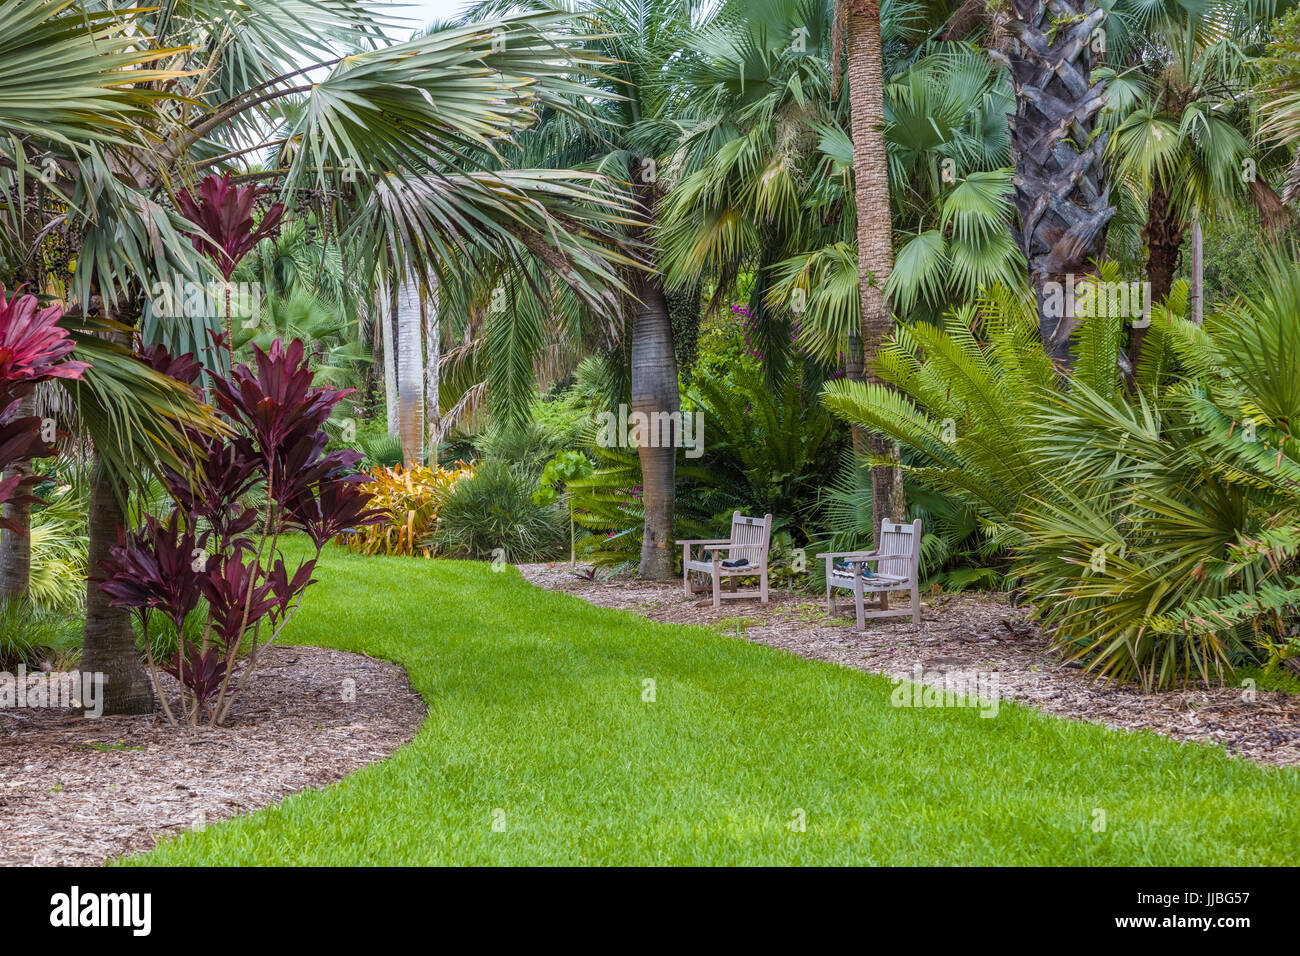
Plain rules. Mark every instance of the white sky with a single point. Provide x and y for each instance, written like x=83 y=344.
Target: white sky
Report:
x=426 y=11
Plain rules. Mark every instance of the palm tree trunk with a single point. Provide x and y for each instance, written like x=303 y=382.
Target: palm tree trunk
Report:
x=1062 y=199
x=432 y=361
x=1198 y=273
x=108 y=642
x=654 y=391
x=384 y=321
x=410 y=373
x=875 y=230
x=1164 y=232
x=16 y=547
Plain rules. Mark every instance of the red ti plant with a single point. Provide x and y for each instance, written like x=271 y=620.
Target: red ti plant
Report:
x=217 y=549
x=33 y=348
x=224 y=215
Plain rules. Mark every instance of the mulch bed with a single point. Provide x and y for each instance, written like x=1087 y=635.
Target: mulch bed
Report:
x=960 y=634
x=64 y=800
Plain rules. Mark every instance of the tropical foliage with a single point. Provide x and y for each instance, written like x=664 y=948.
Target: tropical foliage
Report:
x=1151 y=522
x=410 y=498
x=215 y=549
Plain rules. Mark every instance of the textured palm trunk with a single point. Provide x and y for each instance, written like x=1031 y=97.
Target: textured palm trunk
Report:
x=875 y=232
x=410 y=373
x=654 y=391
x=1164 y=232
x=1061 y=197
x=108 y=643
x=16 y=547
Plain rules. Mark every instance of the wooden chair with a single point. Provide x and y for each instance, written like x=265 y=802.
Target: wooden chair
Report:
x=899 y=567
x=750 y=539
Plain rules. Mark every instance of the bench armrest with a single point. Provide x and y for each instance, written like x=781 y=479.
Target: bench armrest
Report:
x=853 y=555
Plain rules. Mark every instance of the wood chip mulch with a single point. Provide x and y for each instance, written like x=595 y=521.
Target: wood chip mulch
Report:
x=78 y=791
x=958 y=635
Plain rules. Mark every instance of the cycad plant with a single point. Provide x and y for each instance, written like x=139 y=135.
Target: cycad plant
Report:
x=1152 y=526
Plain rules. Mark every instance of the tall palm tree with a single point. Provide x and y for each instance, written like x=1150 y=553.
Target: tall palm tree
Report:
x=1062 y=195
x=16 y=545
x=767 y=188
x=409 y=309
x=620 y=130
x=865 y=69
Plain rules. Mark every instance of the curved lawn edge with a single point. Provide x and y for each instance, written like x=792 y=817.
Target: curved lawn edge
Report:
x=563 y=733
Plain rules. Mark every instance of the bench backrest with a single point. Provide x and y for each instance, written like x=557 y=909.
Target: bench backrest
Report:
x=903 y=540
x=756 y=532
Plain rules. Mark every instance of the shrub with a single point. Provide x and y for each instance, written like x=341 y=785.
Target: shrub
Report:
x=33 y=348
x=765 y=450
x=553 y=486
x=31 y=636
x=212 y=548
x=492 y=514
x=59 y=543
x=382 y=449
x=411 y=498
x=1152 y=521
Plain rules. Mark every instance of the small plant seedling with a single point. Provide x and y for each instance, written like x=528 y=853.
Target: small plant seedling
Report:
x=109 y=747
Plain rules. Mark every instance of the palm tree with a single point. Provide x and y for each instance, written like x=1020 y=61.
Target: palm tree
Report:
x=16 y=545
x=618 y=128
x=866 y=80
x=376 y=141
x=409 y=309
x=768 y=175
x=1181 y=124
x=1062 y=197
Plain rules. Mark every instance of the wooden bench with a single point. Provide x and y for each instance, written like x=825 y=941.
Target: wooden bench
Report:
x=898 y=561
x=749 y=541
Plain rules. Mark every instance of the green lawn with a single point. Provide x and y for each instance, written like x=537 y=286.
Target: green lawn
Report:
x=536 y=721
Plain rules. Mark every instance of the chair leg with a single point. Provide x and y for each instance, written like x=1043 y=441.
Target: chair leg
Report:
x=916 y=604
x=686 y=581
x=858 y=599
x=763 y=586
x=717 y=591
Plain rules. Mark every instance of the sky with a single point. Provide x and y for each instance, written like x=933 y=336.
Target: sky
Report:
x=425 y=11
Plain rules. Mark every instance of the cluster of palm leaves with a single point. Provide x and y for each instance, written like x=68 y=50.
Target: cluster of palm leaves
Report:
x=1151 y=519
x=385 y=152
x=765 y=160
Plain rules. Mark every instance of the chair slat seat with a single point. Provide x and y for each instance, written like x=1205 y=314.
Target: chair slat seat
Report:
x=706 y=567
x=750 y=539
x=843 y=579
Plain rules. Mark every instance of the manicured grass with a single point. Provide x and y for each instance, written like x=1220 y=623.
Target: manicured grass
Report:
x=536 y=720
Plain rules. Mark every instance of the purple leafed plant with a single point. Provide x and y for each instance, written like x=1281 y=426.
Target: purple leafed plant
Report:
x=223 y=214
x=33 y=348
x=217 y=549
